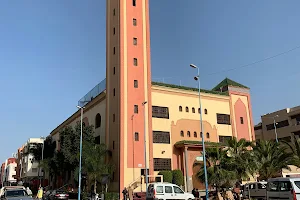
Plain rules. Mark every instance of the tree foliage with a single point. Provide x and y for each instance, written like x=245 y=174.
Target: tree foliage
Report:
x=270 y=158
x=177 y=177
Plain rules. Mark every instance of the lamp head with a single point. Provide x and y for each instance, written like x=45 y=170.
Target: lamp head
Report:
x=145 y=102
x=193 y=66
x=196 y=78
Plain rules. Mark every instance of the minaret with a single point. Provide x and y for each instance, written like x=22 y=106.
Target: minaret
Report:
x=128 y=85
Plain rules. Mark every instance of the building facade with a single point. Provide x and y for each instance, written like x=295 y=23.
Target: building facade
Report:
x=8 y=172
x=28 y=166
x=127 y=106
x=286 y=121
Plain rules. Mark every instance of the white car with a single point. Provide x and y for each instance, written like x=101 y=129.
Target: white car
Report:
x=164 y=191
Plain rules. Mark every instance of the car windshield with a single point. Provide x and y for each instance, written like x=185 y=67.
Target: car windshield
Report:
x=15 y=193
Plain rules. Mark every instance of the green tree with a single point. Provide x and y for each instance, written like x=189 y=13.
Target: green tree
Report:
x=217 y=168
x=294 y=147
x=270 y=158
x=167 y=176
x=70 y=143
x=177 y=177
x=95 y=162
x=241 y=159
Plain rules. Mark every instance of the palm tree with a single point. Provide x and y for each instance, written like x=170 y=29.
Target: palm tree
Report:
x=217 y=171
x=270 y=158
x=240 y=154
x=95 y=163
x=295 y=149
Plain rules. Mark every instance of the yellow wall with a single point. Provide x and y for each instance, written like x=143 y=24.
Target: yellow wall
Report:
x=90 y=113
x=173 y=98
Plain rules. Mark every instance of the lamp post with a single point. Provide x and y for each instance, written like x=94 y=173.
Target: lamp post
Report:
x=145 y=147
x=197 y=78
x=42 y=138
x=275 y=128
x=80 y=154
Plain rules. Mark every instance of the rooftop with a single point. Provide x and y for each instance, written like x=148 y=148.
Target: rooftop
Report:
x=229 y=82
x=99 y=88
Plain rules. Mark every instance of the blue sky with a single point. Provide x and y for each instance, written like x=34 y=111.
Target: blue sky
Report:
x=53 y=52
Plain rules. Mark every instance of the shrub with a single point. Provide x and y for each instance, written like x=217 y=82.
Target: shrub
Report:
x=177 y=177
x=111 y=196
x=167 y=175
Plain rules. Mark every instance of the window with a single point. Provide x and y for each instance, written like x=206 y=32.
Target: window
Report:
x=98 y=121
x=161 y=164
x=114 y=50
x=134 y=41
x=114 y=91
x=186 y=109
x=199 y=110
x=177 y=190
x=242 y=120
x=161 y=137
x=272 y=186
x=134 y=22
x=189 y=134
x=136 y=136
x=114 y=12
x=114 y=70
x=168 y=190
x=201 y=135
x=97 y=140
x=285 y=186
x=181 y=133
x=114 y=30
x=224 y=139
x=193 y=110
x=160 y=112
x=113 y=144
x=205 y=111
x=223 y=119
x=133 y=2
x=135 y=83
x=180 y=108
x=136 y=109
x=159 y=189
x=207 y=135
x=135 y=62
x=195 y=134
x=114 y=117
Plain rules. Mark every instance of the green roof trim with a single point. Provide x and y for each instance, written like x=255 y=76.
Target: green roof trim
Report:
x=197 y=142
x=229 y=82
x=189 y=88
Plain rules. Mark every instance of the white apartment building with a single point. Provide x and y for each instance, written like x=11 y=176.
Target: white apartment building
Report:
x=29 y=167
x=11 y=172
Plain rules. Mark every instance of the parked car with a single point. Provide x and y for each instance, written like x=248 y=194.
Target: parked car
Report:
x=283 y=188
x=3 y=189
x=58 y=195
x=16 y=194
x=47 y=194
x=165 y=191
x=255 y=190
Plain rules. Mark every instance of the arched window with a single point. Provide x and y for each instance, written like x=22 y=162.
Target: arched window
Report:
x=186 y=109
x=205 y=111
x=180 y=108
x=193 y=110
x=199 y=110
x=195 y=134
x=98 y=121
x=207 y=135
x=189 y=134
x=181 y=133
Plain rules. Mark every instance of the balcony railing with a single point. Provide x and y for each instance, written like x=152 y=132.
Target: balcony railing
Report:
x=98 y=89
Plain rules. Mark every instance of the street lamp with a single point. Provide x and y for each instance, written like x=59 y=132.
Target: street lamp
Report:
x=145 y=147
x=197 y=78
x=80 y=154
x=275 y=128
x=42 y=138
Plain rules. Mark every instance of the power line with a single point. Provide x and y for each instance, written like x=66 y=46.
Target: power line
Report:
x=256 y=62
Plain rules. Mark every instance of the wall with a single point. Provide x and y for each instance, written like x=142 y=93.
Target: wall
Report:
x=187 y=121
